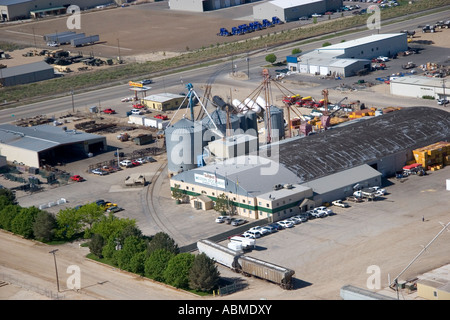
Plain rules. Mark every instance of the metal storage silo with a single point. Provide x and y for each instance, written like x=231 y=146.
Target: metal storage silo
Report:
x=252 y=123
x=242 y=121
x=184 y=142
x=277 y=122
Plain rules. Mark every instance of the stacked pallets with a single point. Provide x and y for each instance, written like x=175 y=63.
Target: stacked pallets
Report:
x=434 y=156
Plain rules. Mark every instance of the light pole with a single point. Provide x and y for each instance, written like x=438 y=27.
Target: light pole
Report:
x=56 y=268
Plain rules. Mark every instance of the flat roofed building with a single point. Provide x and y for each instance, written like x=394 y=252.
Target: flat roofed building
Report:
x=205 y=5
x=165 y=101
x=26 y=73
x=38 y=145
x=420 y=86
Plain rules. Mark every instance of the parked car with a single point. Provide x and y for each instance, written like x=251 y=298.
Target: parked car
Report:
x=99 y=171
x=126 y=163
x=316 y=15
x=442 y=102
x=303 y=18
x=296 y=219
x=340 y=203
x=238 y=222
x=220 y=219
x=135 y=163
x=276 y=226
x=141 y=160
x=161 y=116
x=109 y=111
x=327 y=211
x=138 y=106
x=270 y=229
x=77 y=178
x=252 y=233
x=127 y=99
x=52 y=44
x=379 y=191
x=317 y=213
x=114 y=209
x=108 y=205
x=100 y=202
x=285 y=224
x=150 y=159
x=303 y=217
x=382 y=58
x=259 y=229
x=136 y=111
x=354 y=199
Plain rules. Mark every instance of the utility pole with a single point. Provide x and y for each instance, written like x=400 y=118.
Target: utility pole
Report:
x=73 y=105
x=248 y=66
x=56 y=268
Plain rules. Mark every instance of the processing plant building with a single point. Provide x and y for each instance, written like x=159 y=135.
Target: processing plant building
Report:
x=347 y=58
x=304 y=172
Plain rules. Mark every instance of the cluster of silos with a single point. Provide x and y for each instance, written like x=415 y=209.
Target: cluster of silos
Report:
x=218 y=119
x=250 y=105
x=184 y=144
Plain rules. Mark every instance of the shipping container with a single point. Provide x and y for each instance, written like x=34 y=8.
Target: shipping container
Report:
x=143 y=139
x=84 y=41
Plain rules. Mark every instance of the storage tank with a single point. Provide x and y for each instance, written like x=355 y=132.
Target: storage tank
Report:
x=242 y=121
x=261 y=102
x=238 y=105
x=184 y=142
x=277 y=122
x=252 y=105
x=252 y=123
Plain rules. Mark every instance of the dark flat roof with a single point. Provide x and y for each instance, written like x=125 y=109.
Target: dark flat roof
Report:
x=363 y=142
x=25 y=68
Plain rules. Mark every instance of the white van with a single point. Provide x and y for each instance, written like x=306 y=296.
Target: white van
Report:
x=246 y=243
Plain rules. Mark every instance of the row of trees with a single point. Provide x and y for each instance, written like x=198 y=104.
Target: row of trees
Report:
x=117 y=241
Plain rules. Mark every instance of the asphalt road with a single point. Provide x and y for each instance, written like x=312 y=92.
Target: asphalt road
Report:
x=198 y=77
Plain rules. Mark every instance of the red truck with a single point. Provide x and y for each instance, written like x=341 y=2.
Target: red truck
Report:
x=161 y=116
x=76 y=178
x=109 y=111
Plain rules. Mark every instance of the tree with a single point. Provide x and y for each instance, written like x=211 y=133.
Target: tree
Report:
x=271 y=58
x=69 y=223
x=162 y=240
x=44 y=226
x=177 y=193
x=96 y=245
x=203 y=275
x=178 y=268
x=7 y=214
x=296 y=51
x=7 y=197
x=156 y=264
x=221 y=204
x=131 y=246
x=23 y=222
x=90 y=213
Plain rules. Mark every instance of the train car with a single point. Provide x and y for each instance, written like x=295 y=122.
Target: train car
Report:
x=267 y=271
x=219 y=253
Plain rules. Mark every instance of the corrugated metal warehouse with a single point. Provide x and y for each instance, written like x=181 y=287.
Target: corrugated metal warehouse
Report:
x=38 y=145
x=289 y=10
x=26 y=73
x=347 y=58
x=383 y=142
x=24 y=9
x=419 y=86
x=205 y=5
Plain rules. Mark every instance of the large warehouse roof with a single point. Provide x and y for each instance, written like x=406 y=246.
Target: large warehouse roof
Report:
x=25 y=68
x=362 y=41
x=285 y=4
x=362 y=142
x=41 y=138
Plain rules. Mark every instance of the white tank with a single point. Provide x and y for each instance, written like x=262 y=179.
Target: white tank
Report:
x=237 y=104
x=261 y=102
x=252 y=105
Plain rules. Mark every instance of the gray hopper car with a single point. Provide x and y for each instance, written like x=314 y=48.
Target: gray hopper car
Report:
x=264 y=270
x=247 y=265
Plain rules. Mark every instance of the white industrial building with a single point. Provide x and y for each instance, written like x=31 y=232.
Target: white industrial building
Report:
x=420 y=86
x=292 y=10
x=23 y=9
x=347 y=58
x=205 y=5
